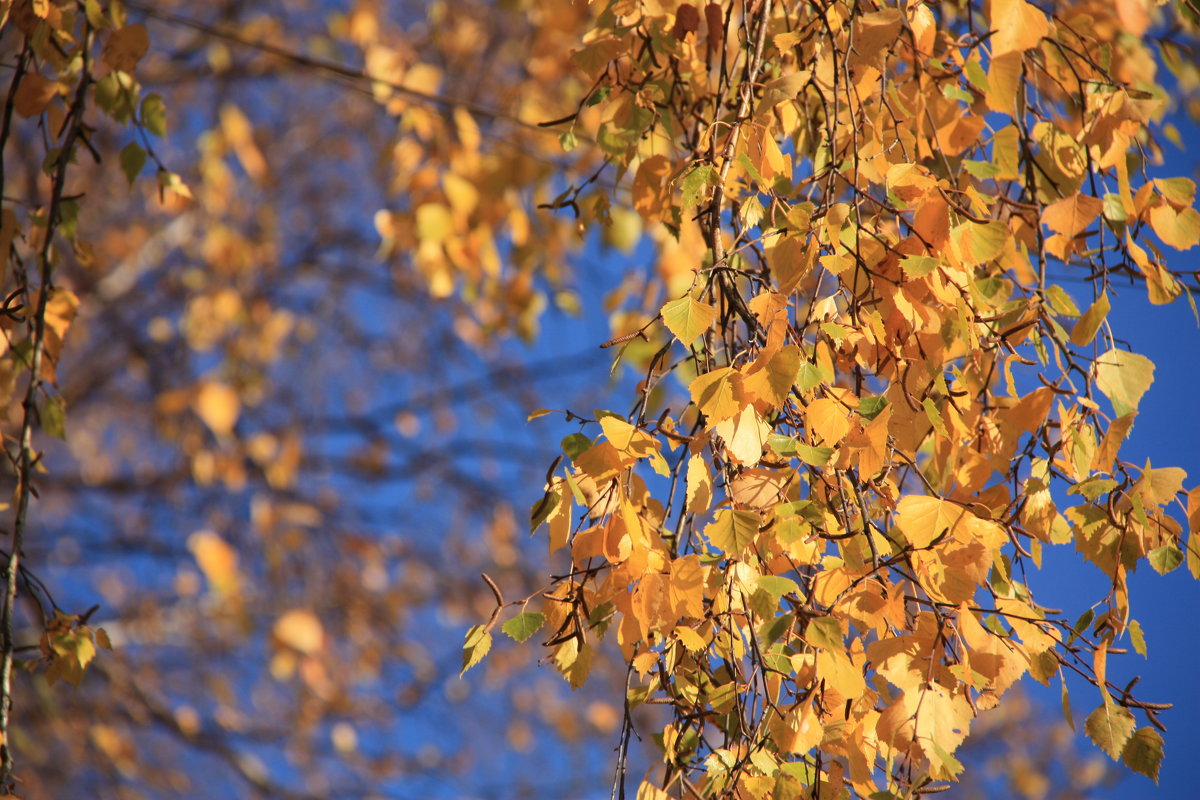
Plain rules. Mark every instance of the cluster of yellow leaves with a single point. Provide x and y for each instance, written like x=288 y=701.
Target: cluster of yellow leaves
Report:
x=882 y=383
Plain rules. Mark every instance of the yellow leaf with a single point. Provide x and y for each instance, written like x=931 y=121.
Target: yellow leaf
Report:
x=218 y=405
x=690 y=639
x=699 y=485
x=300 y=630
x=718 y=394
x=790 y=261
x=760 y=488
x=574 y=660
x=840 y=673
x=686 y=587
x=1085 y=329
x=1179 y=229
x=942 y=718
x=1124 y=377
x=745 y=434
x=1158 y=487
x=217 y=560
x=602 y=461
x=1111 y=443
x=688 y=318
x=808 y=730
x=1018 y=26
x=828 y=420
x=618 y=431
x=924 y=519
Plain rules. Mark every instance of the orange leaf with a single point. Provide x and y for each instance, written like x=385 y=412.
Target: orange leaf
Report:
x=1018 y=26
x=1071 y=215
x=651 y=189
x=126 y=47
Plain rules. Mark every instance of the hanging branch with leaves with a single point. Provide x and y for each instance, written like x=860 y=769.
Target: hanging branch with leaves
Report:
x=869 y=400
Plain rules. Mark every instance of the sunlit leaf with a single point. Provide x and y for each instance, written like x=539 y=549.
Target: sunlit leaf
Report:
x=524 y=625
x=688 y=318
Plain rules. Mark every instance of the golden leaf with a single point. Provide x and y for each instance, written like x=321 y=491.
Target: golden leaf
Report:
x=1071 y=215
x=218 y=405
x=745 y=435
x=828 y=420
x=718 y=394
x=300 y=630
x=1018 y=26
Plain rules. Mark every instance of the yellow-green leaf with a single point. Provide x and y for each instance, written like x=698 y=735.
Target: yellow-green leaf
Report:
x=1124 y=377
x=1110 y=727
x=476 y=646
x=1085 y=329
x=522 y=626
x=1144 y=752
x=688 y=318
x=732 y=531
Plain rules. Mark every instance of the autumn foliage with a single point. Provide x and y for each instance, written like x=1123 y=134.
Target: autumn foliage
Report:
x=866 y=373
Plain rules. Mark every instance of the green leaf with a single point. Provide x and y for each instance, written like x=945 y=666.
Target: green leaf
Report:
x=814 y=456
x=1110 y=727
x=95 y=14
x=54 y=417
x=522 y=626
x=809 y=376
x=688 y=318
x=870 y=407
x=783 y=445
x=835 y=331
x=1124 y=377
x=981 y=169
x=575 y=444
x=568 y=141
x=1093 y=487
x=542 y=510
x=476 y=646
x=696 y=181
x=825 y=633
x=154 y=114
x=732 y=531
x=116 y=93
x=133 y=158
x=1164 y=559
x=1081 y=625
x=1144 y=752
x=748 y=165
x=934 y=416
x=773 y=629
x=952 y=92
